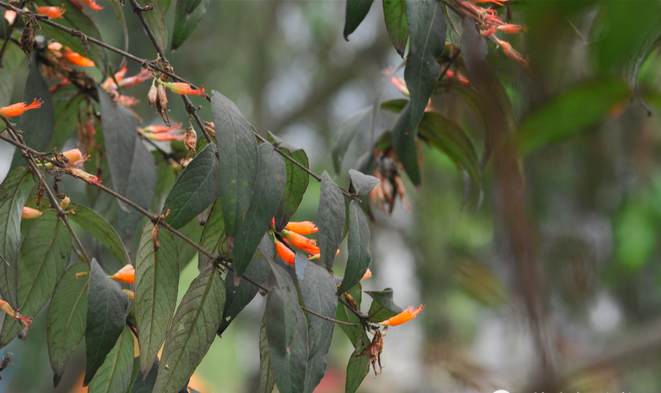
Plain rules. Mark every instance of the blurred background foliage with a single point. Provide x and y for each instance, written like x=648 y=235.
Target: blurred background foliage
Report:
x=590 y=170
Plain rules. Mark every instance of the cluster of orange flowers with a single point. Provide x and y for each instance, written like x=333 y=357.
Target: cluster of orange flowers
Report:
x=292 y=234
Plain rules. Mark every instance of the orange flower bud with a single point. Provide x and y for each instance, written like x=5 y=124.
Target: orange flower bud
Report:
x=400 y=84
x=125 y=274
x=403 y=316
x=285 y=253
x=76 y=59
x=52 y=12
x=74 y=156
x=10 y=16
x=302 y=228
x=92 y=4
x=30 y=213
x=65 y=203
x=511 y=29
x=19 y=108
x=367 y=275
x=130 y=293
x=183 y=88
x=79 y=275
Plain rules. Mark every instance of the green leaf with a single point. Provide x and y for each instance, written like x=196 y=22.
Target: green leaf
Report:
x=101 y=229
x=454 y=27
x=114 y=375
x=144 y=384
x=344 y=314
x=361 y=183
x=382 y=307
x=42 y=258
x=156 y=284
x=396 y=23
x=76 y=19
x=448 y=137
x=38 y=125
x=266 y=379
x=356 y=12
x=213 y=234
x=239 y=296
x=426 y=21
x=359 y=365
x=106 y=315
x=12 y=61
x=67 y=314
x=156 y=20
x=193 y=231
x=332 y=214
x=475 y=52
x=67 y=101
x=348 y=129
x=193 y=330
x=237 y=149
x=187 y=14
x=297 y=182
x=269 y=186
x=14 y=192
x=359 y=248
x=573 y=111
x=132 y=166
x=196 y=188
x=394 y=105
x=405 y=146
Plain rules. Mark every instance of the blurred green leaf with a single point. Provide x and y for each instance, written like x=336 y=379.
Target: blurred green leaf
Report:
x=348 y=130
x=356 y=12
x=331 y=219
x=361 y=183
x=156 y=20
x=359 y=248
x=12 y=60
x=636 y=237
x=405 y=145
x=394 y=12
x=187 y=14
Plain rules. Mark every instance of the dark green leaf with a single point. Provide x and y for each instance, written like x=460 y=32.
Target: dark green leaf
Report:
x=344 y=314
x=192 y=331
x=14 y=191
x=12 y=60
x=266 y=379
x=395 y=105
x=396 y=23
x=132 y=167
x=348 y=129
x=474 y=51
x=426 y=21
x=297 y=182
x=196 y=188
x=114 y=375
x=573 y=111
x=146 y=384
x=193 y=231
x=269 y=185
x=382 y=307
x=187 y=14
x=405 y=146
x=361 y=183
x=331 y=219
x=239 y=296
x=359 y=365
x=454 y=29
x=67 y=314
x=101 y=229
x=67 y=101
x=156 y=284
x=213 y=235
x=76 y=19
x=37 y=126
x=356 y=12
x=359 y=248
x=237 y=148
x=156 y=21
x=106 y=315
x=42 y=258
x=317 y=365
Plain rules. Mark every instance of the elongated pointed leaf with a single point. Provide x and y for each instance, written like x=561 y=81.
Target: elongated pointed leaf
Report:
x=193 y=231
x=361 y=183
x=269 y=185
x=359 y=248
x=187 y=15
x=426 y=21
x=297 y=182
x=14 y=192
x=106 y=316
x=192 y=331
x=114 y=375
x=237 y=149
x=239 y=296
x=12 y=60
x=76 y=19
x=474 y=50
x=266 y=379
x=396 y=23
x=67 y=101
x=332 y=215
x=67 y=314
x=405 y=145
x=359 y=365
x=344 y=314
x=156 y=21
x=196 y=188
x=156 y=284
x=356 y=11
x=42 y=258
x=348 y=130
x=38 y=126
x=383 y=307
x=144 y=384
x=101 y=229
x=213 y=234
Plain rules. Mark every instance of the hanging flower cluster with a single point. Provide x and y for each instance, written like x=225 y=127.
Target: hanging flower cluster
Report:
x=292 y=234
x=388 y=169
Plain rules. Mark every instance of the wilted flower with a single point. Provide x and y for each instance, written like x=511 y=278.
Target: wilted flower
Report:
x=190 y=139
x=142 y=76
x=403 y=316
x=125 y=274
x=52 y=12
x=183 y=88
x=152 y=95
x=83 y=175
x=19 y=108
x=4 y=306
x=30 y=213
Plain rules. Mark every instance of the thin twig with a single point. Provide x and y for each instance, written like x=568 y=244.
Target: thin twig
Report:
x=329 y=319
x=356 y=312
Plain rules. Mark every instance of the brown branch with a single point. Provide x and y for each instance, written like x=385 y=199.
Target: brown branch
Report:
x=329 y=319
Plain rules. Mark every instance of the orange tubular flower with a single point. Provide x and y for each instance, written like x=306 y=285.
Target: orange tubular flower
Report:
x=301 y=242
x=30 y=213
x=52 y=12
x=125 y=274
x=183 y=88
x=512 y=53
x=76 y=59
x=83 y=175
x=367 y=275
x=92 y=4
x=400 y=84
x=165 y=137
x=142 y=76
x=18 y=109
x=159 y=129
x=4 y=306
x=403 y=316
x=511 y=29
x=10 y=16
x=302 y=228
x=285 y=253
